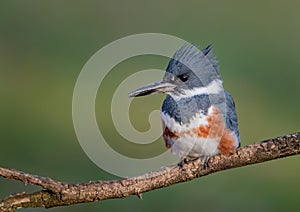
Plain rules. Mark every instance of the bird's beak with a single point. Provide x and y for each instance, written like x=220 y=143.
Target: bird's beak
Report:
x=155 y=87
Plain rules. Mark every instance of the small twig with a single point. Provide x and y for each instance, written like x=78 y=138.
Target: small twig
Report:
x=57 y=193
x=45 y=182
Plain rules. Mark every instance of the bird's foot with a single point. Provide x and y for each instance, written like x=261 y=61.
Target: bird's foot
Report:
x=205 y=161
x=185 y=160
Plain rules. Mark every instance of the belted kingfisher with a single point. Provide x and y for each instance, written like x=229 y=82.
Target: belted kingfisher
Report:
x=198 y=115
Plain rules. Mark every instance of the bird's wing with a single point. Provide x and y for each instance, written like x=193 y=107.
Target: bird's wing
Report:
x=231 y=117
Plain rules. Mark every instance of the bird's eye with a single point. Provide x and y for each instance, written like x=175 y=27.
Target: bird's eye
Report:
x=183 y=77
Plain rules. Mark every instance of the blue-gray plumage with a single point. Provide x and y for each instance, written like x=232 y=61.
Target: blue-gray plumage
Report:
x=201 y=66
x=231 y=117
x=184 y=109
x=198 y=114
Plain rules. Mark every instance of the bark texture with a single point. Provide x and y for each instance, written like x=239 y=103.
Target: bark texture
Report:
x=55 y=193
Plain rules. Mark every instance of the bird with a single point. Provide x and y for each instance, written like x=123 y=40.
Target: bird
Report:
x=199 y=118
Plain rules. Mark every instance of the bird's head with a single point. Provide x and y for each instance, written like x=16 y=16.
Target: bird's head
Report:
x=189 y=72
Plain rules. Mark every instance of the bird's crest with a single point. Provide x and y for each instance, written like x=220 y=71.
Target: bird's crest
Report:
x=190 y=55
x=202 y=63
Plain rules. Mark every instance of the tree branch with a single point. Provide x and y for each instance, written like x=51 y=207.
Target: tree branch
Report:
x=57 y=193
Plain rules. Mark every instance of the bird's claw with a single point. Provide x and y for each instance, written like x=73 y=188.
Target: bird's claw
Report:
x=205 y=161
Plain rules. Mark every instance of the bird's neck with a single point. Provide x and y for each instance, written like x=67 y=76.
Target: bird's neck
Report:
x=214 y=87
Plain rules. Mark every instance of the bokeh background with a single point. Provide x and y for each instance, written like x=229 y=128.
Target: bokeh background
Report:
x=45 y=44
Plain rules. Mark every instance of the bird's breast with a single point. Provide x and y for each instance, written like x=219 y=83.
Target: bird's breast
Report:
x=204 y=135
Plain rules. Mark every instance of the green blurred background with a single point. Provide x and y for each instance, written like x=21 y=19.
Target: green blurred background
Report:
x=44 y=45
